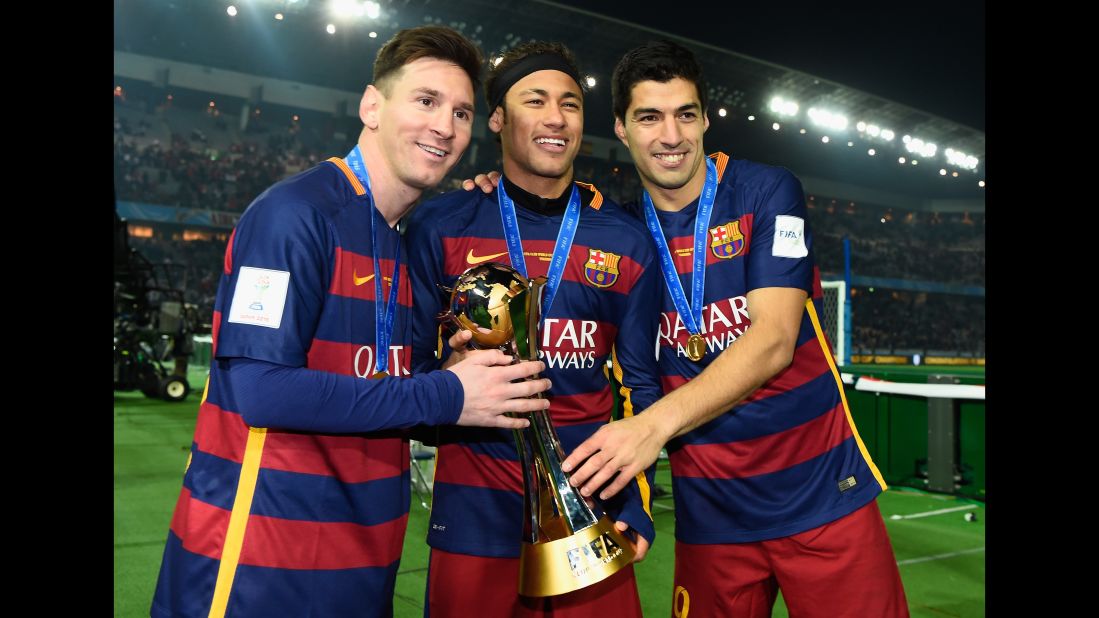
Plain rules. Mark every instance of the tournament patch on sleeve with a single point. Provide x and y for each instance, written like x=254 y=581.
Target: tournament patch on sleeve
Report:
x=259 y=297
x=789 y=237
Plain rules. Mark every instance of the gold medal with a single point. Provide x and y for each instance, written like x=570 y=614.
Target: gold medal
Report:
x=696 y=347
x=379 y=375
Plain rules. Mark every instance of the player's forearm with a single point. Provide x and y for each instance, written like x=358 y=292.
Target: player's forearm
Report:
x=735 y=374
x=270 y=395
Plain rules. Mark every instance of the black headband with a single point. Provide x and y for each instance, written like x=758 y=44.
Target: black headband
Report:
x=536 y=62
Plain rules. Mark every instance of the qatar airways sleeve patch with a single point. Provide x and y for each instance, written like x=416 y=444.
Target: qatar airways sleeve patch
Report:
x=789 y=237
x=259 y=297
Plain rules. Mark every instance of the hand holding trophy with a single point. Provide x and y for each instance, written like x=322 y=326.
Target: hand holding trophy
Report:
x=567 y=544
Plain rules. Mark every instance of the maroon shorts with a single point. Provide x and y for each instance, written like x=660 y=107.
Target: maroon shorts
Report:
x=843 y=568
x=461 y=586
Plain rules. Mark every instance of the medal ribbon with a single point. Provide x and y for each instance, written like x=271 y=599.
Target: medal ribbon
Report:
x=560 y=249
x=692 y=316
x=384 y=313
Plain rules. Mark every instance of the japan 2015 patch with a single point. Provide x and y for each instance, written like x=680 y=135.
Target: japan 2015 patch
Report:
x=259 y=297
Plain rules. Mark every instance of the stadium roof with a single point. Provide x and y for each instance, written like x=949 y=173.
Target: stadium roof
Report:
x=297 y=48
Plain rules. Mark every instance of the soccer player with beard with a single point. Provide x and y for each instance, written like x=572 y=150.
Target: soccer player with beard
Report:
x=295 y=497
x=773 y=487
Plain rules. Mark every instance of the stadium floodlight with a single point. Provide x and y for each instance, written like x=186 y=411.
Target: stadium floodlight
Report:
x=590 y=81
x=981 y=183
x=829 y=119
x=915 y=162
x=920 y=147
x=776 y=126
x=751 y=117
x=849 y=144
x=942 y=172
x=874 y=130
x=900 y=160
x=802 y=131
x=373 y=9
x=346 y=9
x=330 y=28
x=278 y=16
x=232 y=11
x=954 y=174
x=871 y=152
x=373 y=34
x=721 y=111
x=824 y=139
x=783 y=107
x=960 y=159
x=906 y=138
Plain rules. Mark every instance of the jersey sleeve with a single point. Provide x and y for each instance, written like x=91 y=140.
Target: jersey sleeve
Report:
x=780 y=253
x=301 y=399
x=278 y=269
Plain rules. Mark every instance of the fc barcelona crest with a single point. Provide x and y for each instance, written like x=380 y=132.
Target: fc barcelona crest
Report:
x=726 y=241
x=601 y=269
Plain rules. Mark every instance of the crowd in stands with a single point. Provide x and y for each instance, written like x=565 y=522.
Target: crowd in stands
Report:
x=187 y=173
x=894 y=322
x=208 y=165
x=930 y=246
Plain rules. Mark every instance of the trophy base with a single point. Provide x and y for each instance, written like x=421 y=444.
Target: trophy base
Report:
x=588 y=556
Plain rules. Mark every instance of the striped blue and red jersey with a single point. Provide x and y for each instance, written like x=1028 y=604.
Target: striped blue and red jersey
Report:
x=605 y=308
x=787 y=458
x=284 y=521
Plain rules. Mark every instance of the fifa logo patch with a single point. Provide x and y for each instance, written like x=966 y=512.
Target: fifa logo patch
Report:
x=601 y=269
x=726 y=241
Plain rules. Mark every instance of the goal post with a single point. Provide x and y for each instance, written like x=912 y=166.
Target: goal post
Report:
x=836 y=320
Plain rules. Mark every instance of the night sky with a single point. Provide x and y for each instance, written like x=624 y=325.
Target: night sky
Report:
x=929 y=55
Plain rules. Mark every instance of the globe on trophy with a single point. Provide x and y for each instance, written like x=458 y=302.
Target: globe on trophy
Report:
x=567 y=543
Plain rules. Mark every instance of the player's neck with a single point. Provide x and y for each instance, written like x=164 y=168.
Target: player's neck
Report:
x=392 y=197
x=542 y=186
x=675 y=200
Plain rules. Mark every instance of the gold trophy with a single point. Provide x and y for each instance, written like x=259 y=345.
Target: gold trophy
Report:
x=568 y=543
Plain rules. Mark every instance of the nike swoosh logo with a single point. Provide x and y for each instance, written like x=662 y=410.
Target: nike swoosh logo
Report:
x=360 y=280
x=477 y=259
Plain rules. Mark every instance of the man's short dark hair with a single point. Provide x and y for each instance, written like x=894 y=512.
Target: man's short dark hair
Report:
x=439 y=42
x=659 y=61
x=519 y=52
